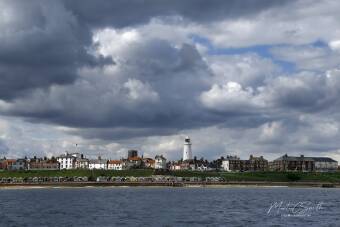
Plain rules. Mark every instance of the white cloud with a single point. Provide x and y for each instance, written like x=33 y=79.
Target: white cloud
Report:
x=335 y=44
x=230 y=97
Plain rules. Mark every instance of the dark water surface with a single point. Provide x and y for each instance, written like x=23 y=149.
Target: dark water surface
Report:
x=142 y=206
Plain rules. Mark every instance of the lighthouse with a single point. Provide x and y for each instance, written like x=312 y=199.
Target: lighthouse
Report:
x=187 y=154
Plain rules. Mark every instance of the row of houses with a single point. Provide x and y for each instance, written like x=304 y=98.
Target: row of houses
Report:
x=133 y=161
x=284 y=163
x=29 y=164
x=69 y=161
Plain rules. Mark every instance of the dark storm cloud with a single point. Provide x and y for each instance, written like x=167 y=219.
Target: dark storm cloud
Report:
x=121 y=13
x=45 y=42
x=155 y=87
x=41 y=44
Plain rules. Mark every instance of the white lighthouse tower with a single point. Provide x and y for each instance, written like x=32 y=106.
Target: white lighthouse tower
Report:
x=187 y=154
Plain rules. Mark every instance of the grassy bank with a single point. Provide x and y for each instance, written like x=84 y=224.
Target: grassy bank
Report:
x=258 y=176
x=78 y=173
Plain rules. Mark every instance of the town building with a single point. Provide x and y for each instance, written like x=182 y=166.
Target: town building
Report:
x=292 y=163
x=67 y=161
x=20 y=164
x=82 y=163
x=134 y=162
x=231 y=164
x=148 y=163
x=6 y=164
x=183 y=165
x=187 y=152
x=175 y=166
x=325 y=164
x=98 y=163
x=160 y=162
x=132 y=153
x=115 y=165
x=253 y=164
x=41 y=164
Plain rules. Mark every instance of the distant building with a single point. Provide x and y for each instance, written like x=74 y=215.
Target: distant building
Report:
x=67 y=161
x=115 y=165
x=148 y=163
x=98 y=163
x=160 y=162
x=187 y=152
x=40 y=164
x=183 y=165
x=253 y=164
x=175 y=166
x=6 y=164
x=292 y=163
x=324 y=164
x=231 y=163
x=20 y=164
x=203 y=167
x=132 y=153
x=82 y=162
x=134 y=162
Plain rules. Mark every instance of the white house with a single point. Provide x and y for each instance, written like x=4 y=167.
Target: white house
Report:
x=225 y=165
x=98 y=163
x=115 y=165
x=160 y=162
x=324 y=164
x=67 y=161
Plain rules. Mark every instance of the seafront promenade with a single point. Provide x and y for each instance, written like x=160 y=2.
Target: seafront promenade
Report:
x=79 y=178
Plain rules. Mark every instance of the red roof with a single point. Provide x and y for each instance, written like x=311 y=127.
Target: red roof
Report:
x=135 y=159
x=115 y=162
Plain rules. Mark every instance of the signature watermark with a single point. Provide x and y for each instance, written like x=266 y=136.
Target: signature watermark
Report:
x=295 y=209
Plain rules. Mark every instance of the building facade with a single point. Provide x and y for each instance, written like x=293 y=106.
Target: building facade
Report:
x=132 y=153
x=19 y=164
x=81 y=163
x=148 y=163
x=231 y=164
x=6 y=164
x=292 y=163
x=160 y=162
x=115 y=165
x=98 y=163
x=40 y=164
x=324 y=164
x=68 y=161
x=253 y=164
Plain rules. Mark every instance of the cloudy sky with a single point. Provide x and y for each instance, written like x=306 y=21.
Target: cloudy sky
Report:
x=239 y=77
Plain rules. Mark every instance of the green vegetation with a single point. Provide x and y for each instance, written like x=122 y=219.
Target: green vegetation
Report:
x=245 y=176
x=293 y=177
x=77 y=172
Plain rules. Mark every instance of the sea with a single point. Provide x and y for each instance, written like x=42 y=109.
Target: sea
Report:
x=170 y=206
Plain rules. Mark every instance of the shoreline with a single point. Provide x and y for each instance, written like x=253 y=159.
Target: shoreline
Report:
x=171 y=184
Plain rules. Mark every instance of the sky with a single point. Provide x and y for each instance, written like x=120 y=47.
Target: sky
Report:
x=237 y=77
